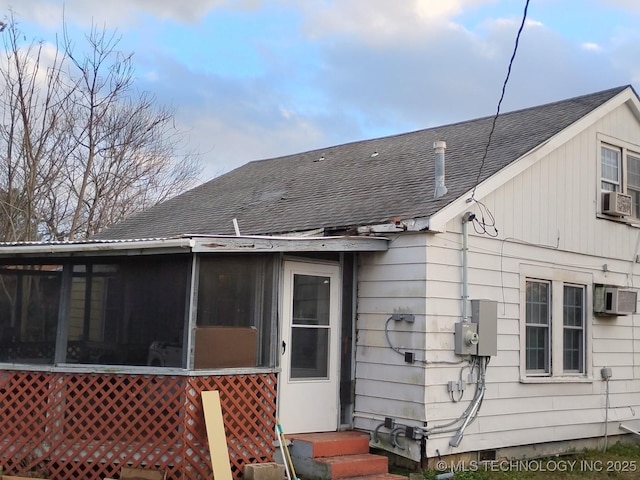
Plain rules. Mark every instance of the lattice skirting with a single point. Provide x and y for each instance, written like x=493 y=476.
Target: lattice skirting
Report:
x=87 y=426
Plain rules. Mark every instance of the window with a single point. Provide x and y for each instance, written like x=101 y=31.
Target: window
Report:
x=611 y=169
x=118 y=312
x=128 y=312
x=554 y=313
x=538 y=326
x=573 y=329
x=29 y=300
x=633 y=182
x=237 y=292
x=134 y=310
x=620 y=171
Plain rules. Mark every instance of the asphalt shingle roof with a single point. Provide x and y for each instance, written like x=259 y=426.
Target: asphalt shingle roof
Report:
x=350 y=185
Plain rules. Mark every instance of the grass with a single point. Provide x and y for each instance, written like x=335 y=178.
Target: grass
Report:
x=620 y=462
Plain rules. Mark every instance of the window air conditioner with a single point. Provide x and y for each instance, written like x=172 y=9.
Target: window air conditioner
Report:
x=615 y=300
x=616 y=204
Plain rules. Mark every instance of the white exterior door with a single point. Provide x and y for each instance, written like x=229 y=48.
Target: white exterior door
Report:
x=308 y=385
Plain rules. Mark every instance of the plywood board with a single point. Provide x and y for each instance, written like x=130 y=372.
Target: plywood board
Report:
x=215 y=435
x=225 y=347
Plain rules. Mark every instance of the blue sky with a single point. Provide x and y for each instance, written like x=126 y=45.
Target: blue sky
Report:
x=254 y=79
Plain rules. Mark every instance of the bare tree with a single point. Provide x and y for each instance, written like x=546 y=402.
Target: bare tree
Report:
x=30 y=109
x=82 y=147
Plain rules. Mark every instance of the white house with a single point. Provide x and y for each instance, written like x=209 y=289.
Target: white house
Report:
x=478 y=296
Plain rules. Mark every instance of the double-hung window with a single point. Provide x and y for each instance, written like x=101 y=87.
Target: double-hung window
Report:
x=554 y=328
x=538 y=326
x=633 y=182
x=611 y=169
x=620 y=170
x=573 y=319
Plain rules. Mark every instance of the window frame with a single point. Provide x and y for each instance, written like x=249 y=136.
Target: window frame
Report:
x=621 y=185
x=540 y=326
x=574 y=328
x=557 y=280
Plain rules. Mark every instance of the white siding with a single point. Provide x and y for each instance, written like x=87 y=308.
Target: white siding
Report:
x=546 y=218
x=386 y=386
x=517 y=413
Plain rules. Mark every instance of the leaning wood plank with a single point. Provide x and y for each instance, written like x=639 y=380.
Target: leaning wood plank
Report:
x=215 y=435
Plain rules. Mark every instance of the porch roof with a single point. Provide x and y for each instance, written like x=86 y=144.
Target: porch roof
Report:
x=191 y=244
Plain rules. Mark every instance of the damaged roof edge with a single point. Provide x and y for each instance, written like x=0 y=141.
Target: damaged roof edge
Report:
x=421 y=224
x=192 y=243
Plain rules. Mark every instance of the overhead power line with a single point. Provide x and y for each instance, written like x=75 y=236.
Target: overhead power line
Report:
x=504 y=87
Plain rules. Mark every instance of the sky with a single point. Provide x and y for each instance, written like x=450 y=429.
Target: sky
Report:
x=256 y=79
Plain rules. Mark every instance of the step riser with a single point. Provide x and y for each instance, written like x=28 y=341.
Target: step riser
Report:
x=359 y=468
x=352 y=444
x=328 y=469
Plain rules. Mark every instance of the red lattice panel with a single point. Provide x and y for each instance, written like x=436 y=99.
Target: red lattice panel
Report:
x=26 y=422
x=88 y=426
x=249 y=411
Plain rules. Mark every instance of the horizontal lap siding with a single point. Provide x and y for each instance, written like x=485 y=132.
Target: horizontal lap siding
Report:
x=516 y=413
x=390 y=282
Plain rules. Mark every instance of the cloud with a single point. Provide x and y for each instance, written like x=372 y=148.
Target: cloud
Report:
x=591 y=47
x=632 y=5
x=255 y=79
x=123 y=13
x=380 y=21
x=354 y=87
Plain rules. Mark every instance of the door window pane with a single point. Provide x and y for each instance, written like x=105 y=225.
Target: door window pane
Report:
x=310 y=327
x=309 y=353
x=311 y=300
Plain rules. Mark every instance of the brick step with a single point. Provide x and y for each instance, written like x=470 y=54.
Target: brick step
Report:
x=349 y=466
x=337 y=456
x=380 y=476
x=330 y=444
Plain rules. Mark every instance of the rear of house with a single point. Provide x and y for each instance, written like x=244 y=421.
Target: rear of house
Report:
x=481 y=320
x=559 y=268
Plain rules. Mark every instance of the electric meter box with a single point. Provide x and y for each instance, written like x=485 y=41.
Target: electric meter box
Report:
x=484 y=313
x=466 y=338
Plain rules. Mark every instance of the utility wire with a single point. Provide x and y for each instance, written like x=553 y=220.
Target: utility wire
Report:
x=504 y=87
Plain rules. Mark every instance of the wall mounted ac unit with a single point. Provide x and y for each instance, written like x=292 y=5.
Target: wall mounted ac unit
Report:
x=609 y=300
x=616 y=204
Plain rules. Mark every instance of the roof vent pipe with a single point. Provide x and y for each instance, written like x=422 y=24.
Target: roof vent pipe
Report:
x=441 y=189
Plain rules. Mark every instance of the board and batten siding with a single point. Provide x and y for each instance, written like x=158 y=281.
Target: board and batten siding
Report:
x=554 y=202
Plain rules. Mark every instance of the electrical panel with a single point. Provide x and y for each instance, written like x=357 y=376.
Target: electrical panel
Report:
x=484 y=314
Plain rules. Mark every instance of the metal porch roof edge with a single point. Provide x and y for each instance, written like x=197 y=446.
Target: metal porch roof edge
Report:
x=222 y=243
x=192 y=243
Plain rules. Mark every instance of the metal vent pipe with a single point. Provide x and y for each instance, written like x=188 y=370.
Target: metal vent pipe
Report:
x=439 y=148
